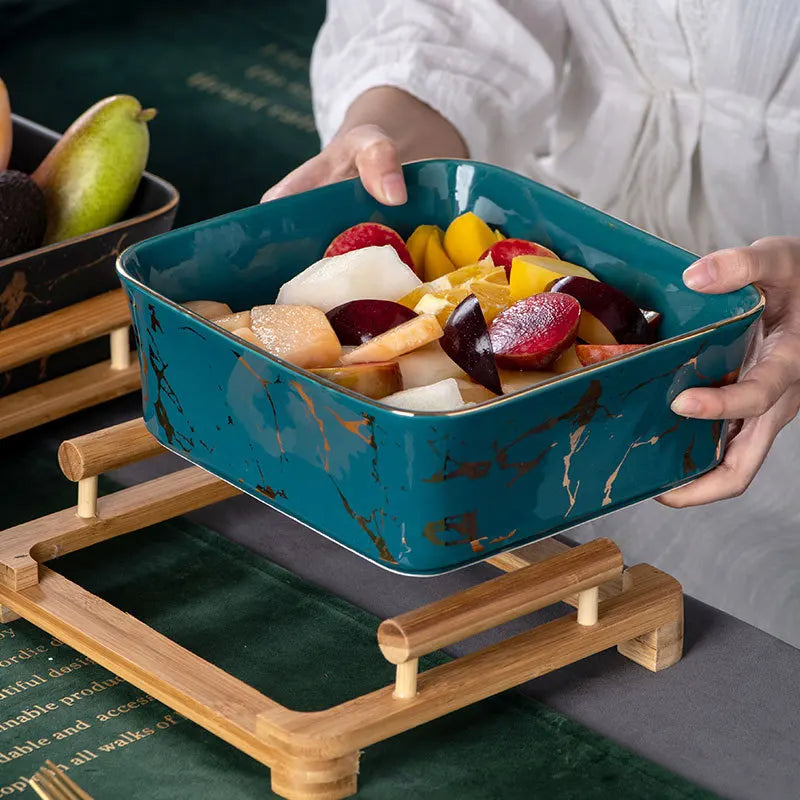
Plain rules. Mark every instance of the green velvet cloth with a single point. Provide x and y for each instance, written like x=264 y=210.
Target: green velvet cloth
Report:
x=286 y=638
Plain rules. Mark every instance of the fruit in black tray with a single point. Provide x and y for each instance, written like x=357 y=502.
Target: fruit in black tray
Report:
x=90 y=177
x=359 y=321
x=466 y=340
x=22 y=214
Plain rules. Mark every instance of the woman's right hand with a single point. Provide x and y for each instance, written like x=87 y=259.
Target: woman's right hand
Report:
x=364 y=150
x=384 y=127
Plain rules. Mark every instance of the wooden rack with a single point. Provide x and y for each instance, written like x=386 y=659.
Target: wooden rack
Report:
x=314 y=756
x=104 y=315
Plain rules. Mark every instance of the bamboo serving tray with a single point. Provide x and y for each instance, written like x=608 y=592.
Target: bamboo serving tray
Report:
x=314 y=755
x=104 y=315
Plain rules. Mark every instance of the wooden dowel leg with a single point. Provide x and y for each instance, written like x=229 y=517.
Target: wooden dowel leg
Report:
x=8 y=614
x=120 y=348
x=587 y=606
x=87 y=497
x=406 y=680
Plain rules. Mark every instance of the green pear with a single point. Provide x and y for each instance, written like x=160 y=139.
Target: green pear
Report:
x=91 y=175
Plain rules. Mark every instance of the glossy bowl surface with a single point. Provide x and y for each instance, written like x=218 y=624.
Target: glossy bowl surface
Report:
x=59 y=275
x=423 y=493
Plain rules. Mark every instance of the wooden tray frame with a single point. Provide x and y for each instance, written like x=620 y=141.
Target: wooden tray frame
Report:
x=105 y=314
x=314 y=755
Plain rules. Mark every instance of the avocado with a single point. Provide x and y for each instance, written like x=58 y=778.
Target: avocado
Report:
x=23 y=219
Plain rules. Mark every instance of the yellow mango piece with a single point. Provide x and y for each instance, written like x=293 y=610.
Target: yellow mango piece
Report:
x=528 y=279
x=437 y=264
x=467 y=238
x=498 y=236
x=440 y=296
x=417 y=243
x=492 y=297
x=556 y=265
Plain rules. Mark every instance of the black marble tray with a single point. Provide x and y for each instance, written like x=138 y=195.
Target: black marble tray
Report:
x=56 y=276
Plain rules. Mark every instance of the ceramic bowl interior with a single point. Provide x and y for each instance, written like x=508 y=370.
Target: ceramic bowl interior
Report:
x=243 y=258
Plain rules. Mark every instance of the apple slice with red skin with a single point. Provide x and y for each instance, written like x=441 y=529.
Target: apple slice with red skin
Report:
x=358 y=321
x=376 y=380
x=466 y=340
x=505 y=251
x=653 y=319
x=534 y=332
x=608 y=316
x=595 y=353
x=370 y=234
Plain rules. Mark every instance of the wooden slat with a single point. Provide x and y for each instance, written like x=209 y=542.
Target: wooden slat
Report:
x=118 y=513
x=59 y=397
x=654 y=600
x=187 y=683
x=107 y=449
x=537 y=552
x=491 y=603
x=59 y=330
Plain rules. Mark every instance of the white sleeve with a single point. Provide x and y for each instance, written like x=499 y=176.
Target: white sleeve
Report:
x=489 y=67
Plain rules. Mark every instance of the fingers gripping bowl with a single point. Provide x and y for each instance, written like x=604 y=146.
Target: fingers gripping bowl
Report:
x=425 y=492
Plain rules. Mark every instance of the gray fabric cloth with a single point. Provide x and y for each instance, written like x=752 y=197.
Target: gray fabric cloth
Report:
x=724 y=717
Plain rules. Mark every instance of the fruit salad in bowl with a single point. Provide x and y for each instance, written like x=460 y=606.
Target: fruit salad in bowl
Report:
x=441 y=321
x=415 y=386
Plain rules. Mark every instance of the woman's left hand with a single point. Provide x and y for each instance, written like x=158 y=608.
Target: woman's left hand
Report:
x=767 y=397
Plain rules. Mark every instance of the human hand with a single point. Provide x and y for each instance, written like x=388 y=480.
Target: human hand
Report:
x=364 y=150
x=768 y=395
x=382 y=128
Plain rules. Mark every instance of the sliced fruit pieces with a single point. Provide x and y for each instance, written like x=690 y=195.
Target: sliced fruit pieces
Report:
x=568 y=361
x=415 y=333
x=466 y=340
x=248 y=335
x=473 y=392
x=300 y=335
x=358 y=321
x=369 y=234
x=426 y=365
x=493 y=297
x=594 y=353
x=437 y=262
x=466 y=238
x=515 y=381
x=504 y=251
x=532 y=334
x=234 y=321
x=416 y=244
x=375 y=380
x=442 y=295
x=210 y=309
x=371 y=272
x=498 y=235
x=609 y=316
x=556 y=265
x=441 y=396
x=527 y=279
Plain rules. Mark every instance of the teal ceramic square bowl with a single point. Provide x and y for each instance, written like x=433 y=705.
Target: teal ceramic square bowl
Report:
x=422 y=493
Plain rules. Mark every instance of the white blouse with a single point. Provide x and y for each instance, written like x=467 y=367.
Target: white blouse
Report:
x=681 y=116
